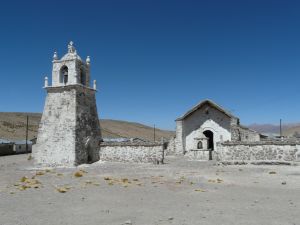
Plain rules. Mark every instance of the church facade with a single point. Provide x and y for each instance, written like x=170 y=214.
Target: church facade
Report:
x=69 y=132
x=206 y=124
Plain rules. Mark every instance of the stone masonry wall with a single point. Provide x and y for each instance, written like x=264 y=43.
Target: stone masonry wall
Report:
x=88 y=134
x=131 y=152
x=258 y=151
x=179 y=145
x=69 y=131
x=56 y=137
x=239 y=133
x=201 y=155
x=171 y=147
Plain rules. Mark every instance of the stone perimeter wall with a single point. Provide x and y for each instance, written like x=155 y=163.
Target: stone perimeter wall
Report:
x=131 y=152
x=258 y=151
x=198 y=154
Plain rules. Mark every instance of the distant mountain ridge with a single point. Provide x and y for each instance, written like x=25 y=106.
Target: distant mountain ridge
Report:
x=13 y=127
x=13 y=124
x=287 y=129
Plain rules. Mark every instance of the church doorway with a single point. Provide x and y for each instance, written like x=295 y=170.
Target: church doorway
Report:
x=210 y=142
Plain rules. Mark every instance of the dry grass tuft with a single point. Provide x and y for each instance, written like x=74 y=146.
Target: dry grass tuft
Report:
x=110 y=182
x=61 y=189
x=199 y=190
x=27 y=183
x=78 y=174
x=272 y=172
x=125 y=180
x=219 y=180
x=39 y=173
x=22 y=188
x=23 y=179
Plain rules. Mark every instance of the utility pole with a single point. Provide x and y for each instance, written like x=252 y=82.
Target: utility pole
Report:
x=280 y=128
x=154 y=132
x=27 y=133
x=163 y=150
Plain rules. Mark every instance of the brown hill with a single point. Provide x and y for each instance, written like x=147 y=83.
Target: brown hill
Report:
x=292 y=131
x=289 y=129
x=13 y=126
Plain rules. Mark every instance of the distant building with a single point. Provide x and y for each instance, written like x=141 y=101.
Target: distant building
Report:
x=20 y=146
x=6 y=147
x=206 y=124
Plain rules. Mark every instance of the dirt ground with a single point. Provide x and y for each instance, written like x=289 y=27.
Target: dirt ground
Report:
x=180 y=192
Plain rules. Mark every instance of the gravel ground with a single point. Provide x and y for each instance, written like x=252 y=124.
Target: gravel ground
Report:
x=179 y=192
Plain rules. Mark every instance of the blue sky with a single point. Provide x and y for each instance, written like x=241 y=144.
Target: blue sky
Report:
x=153 y=60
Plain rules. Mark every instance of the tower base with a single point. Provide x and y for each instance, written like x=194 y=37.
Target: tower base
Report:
x=69 y=132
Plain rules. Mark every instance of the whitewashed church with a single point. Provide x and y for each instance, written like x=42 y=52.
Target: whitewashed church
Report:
x=206 y=124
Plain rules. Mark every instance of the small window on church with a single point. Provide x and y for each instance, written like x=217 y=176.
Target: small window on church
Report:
x=200 y=145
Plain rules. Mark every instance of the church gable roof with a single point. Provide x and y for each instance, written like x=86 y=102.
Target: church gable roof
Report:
x=203 y=103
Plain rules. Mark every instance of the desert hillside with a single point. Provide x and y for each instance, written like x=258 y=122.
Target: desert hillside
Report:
x=13 y=126
x=289 y=130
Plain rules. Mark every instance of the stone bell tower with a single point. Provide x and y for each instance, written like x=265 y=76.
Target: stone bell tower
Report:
x=69 y=132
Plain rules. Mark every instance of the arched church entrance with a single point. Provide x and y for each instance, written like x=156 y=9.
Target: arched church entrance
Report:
x=210 y=142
